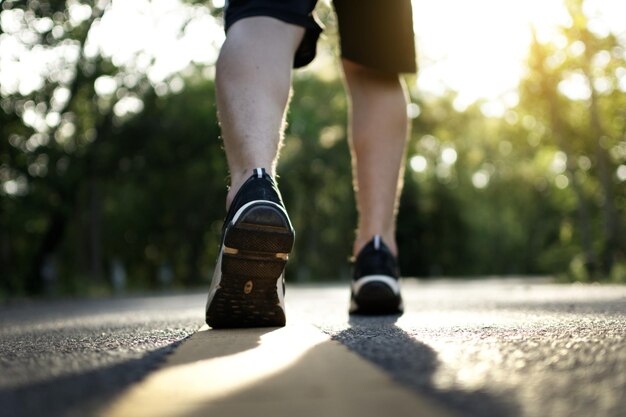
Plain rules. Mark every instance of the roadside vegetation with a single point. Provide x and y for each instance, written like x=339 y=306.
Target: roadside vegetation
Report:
x=110 y=181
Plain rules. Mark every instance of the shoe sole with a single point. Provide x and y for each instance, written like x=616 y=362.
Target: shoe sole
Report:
x=376 y=298
x=249 y=291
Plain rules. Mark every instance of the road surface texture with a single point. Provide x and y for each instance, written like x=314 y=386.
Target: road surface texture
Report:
x=492 y=347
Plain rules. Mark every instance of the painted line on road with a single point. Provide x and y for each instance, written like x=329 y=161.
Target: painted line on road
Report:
x=294 y=370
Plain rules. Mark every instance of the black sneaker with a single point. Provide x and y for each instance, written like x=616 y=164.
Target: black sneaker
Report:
x=248 y=286
x=376 y=281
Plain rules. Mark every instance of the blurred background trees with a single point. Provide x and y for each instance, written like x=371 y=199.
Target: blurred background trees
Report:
x=112 y=175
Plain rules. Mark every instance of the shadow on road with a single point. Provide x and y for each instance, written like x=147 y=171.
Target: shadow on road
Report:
x=223 y=342
x=414 y=364
x=294 y=371
x=81 y=394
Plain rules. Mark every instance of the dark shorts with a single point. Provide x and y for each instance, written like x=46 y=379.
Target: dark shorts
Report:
x=374 y=33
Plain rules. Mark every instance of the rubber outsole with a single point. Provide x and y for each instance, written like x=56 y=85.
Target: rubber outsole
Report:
x=376 y=298
x=255 y=252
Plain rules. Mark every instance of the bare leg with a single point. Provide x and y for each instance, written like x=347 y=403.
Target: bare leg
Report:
x=253 y=82
x=379 y=130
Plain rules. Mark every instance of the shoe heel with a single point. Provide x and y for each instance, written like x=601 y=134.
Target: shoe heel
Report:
x=255 y=252
x=262 y=229
x=377 y=298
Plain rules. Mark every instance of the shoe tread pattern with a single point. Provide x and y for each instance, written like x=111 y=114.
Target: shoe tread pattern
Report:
x=247 y=295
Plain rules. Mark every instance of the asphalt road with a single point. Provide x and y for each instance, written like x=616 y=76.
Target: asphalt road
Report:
x=478 y=348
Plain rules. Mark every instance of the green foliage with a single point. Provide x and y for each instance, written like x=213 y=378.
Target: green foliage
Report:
x=165 y=188
x=589 y=134
x=94 y=198
x=316 y=181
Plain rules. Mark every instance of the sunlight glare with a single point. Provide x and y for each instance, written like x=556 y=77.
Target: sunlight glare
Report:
x=105 y=85
x=413 y=110
x=16 y=187
x=448 y=156
x=200 y=377
x=478 y=48
x=161 y=37
x=561 y=181
x=559 y=163
x=78 y=13
x=575 y=87
x=128 y=105
x=480 y=179
x=418 y=163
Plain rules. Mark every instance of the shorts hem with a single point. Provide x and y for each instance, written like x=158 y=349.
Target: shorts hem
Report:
x=405 y=67
x=307 y=22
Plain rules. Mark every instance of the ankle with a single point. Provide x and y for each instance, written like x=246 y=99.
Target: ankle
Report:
x=233 y=188
x=363 y=239
x=237 y=179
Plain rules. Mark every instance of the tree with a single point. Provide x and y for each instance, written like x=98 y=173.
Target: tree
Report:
x=585 y=62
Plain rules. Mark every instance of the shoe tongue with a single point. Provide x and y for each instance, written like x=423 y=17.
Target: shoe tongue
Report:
x=377 y=241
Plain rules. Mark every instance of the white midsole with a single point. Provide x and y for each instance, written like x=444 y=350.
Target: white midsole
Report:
x=217 y=278
x=279 y=290
x=391 y=282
